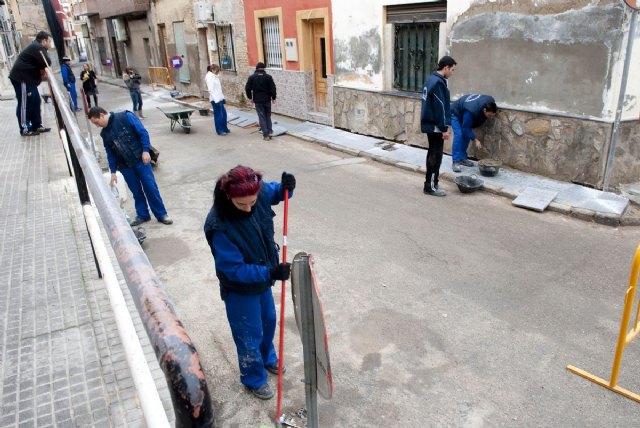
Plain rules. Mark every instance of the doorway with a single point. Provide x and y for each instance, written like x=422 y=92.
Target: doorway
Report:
x=162 y=39
x=181 y=50
x=319 y=65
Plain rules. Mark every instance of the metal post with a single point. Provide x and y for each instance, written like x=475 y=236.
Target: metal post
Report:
x=308 y=342
x=86 y=117
x=623 y=89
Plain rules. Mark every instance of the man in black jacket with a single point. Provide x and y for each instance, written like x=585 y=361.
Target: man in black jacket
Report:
x=435 y=119
x=261 y=89
x=25 y=76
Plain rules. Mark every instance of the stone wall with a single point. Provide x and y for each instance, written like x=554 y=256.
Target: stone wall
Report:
x=296 y=95
x=626 y=168
x=563 y=148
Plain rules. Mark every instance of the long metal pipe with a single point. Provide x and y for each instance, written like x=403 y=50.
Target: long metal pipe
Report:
x=631 y=35
x=177 y=356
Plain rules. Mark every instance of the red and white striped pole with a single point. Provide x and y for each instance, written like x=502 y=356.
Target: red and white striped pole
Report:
x=282 y=295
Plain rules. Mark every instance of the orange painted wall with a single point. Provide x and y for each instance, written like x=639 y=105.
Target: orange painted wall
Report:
x=289 y=9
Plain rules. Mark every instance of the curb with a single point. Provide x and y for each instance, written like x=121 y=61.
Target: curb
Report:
x=574 y=212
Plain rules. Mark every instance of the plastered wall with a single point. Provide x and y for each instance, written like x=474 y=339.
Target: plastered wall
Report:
x=561 y=57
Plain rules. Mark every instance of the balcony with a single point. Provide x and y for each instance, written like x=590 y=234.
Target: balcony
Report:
x=86 y=8
x=114 y=8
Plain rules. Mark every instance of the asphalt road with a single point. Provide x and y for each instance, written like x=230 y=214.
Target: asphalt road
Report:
x=460 y=311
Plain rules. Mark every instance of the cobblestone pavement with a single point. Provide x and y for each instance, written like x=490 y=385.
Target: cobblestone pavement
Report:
x=61 y=360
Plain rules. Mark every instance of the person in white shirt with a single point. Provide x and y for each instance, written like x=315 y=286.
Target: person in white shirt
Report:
x=217 y=99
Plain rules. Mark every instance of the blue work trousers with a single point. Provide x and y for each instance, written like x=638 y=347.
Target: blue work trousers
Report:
x=253 y=325
x=219 y=117
x=136 y=97
x=143 y=185
x=28 y=109
x=74 y=95
x=459 y=146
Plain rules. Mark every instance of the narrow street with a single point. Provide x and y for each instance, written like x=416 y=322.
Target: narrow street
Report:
x=460 y=311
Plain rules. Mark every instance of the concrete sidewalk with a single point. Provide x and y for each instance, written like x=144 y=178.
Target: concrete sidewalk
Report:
x=61 y=360
x=570 y=199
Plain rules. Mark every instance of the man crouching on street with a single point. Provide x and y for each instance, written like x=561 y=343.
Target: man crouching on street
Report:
x=127 y=144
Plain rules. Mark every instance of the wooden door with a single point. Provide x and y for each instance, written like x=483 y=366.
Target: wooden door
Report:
x=320 y=66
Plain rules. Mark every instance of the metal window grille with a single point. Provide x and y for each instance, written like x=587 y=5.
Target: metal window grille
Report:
x=226 y=54
x=271 y=42
x=415 y=54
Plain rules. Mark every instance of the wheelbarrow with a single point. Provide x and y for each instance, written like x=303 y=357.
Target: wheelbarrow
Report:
x=179 y=116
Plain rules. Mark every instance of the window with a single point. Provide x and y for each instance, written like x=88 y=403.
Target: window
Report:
x=224 y=39
x=271 y=42
x=416 y=39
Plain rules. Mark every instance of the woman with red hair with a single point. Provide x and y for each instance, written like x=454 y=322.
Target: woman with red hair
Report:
x=239 y=229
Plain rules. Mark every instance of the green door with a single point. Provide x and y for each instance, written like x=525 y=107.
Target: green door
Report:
x=181 y=51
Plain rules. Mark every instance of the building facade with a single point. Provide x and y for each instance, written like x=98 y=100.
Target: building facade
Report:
x=294 y=40
x=554 y=70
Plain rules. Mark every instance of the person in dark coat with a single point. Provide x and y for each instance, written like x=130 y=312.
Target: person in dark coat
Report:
x=89 y=84
x=132 y=79
x=261 y=90
x=469 y=112
x=127 y=145
x=435 y=120
x=26 y=75
x=239 y=229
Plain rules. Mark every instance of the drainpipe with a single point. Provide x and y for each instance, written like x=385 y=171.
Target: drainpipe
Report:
x=623 y=89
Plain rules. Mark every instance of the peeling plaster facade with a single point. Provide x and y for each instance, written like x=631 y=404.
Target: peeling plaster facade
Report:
x=554 y=67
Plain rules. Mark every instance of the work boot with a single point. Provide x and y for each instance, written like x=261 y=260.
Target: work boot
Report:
x=140 y=115
x=139 y=220
x=274 y=369
x=165 y=220
x=456 y=167
x=432 y=190
x=466 y=162
x=263 y=392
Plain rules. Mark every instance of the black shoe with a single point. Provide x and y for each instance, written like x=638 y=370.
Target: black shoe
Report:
x=263 y=392
x=29 y=133
x=466 y=162
x=165 y=220
x=274 y=369
x=456 y=167
x=139 y=220
x=433 y=191
x=43 y=129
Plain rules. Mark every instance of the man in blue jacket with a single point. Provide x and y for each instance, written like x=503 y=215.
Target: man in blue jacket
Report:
x=435 y=120
x=127 y=144
x=25 y=76
x=239 y=229
x=469 y=112
x=69 y=80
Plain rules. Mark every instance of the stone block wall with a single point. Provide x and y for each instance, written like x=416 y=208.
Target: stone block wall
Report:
x=564 y=148
x=626 y=166
x=296 y=95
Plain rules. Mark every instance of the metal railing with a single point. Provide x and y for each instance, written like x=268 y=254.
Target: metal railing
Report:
x=160 y=76
x=629 y=330
x=174 y=350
